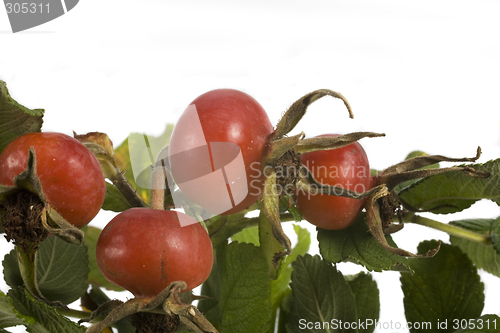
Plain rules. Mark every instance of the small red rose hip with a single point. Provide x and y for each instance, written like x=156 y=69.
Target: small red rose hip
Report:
x=70 y=175
x=144 y=250
x=346 y=167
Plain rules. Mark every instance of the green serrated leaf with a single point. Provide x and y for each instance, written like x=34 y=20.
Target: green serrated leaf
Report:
x=47 y=318
x=114 y=200
x=62 y=270
x=443 y=288
x=367 y=298
x=356 y=244
x=489 y=323
x=453 y=192
x=483 y=256
x=95 y=276
x=11 y=273
x=245 y=289
x=9 y=316
x=248 y=235
x=321 y=297
x=15 y=119
x=143 y=156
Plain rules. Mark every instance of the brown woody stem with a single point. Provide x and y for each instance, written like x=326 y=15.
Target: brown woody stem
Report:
x=126 y=190
x=158 y=178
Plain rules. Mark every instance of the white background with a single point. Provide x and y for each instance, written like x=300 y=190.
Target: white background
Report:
x=426 y=73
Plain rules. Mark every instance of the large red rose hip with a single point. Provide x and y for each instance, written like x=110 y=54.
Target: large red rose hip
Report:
x=216 y=150
x=70 y=175
x=144 y=250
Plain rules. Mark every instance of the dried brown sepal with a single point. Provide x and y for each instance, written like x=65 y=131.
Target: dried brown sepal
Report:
x=287 y=171
x=164 y=313
x=146 y=322
x=409 y=169
x=329 y=142
x=55 y=224
x=22 y=220
x=309 y=184
x=101 y=146
x=381 y=209
x=277 y=148
x=270 y=208
x=295 y=112
x=101 y=139
x=113 y=312
x=376 y=228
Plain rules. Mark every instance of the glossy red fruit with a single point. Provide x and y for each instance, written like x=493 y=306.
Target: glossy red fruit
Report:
x=205 y=142
x=70 y=175
x=144 y=250
x=346 y=167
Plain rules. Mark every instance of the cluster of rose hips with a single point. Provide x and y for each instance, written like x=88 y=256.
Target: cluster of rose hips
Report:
x=52 y=183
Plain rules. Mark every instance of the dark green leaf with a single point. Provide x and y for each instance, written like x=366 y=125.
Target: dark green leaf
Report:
x=114 y=200
x=95 y=276
x=245 y=289
x=9 y=316
x=483 y=256
x=367 y=298
x=62 y=270
x=443 y=288
x=47 y=318
x=454 y=191
x=356 y=244
x=15 y=119
x=321 y=297
x=485 y=324
x=11 y=272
